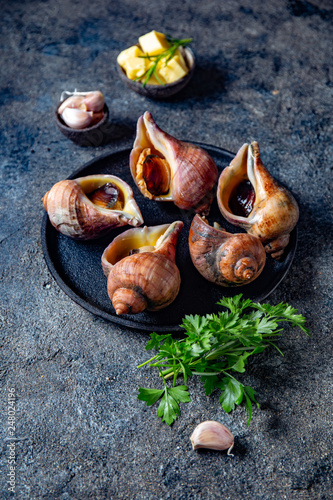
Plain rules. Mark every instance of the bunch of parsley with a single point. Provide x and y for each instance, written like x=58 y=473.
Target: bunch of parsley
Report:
x=215 y=347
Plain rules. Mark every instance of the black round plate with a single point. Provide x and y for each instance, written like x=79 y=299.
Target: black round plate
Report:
x=76 y=265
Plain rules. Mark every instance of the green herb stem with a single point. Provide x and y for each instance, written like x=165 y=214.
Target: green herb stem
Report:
x=147 y=362
x=167 y=54
x=215 y=347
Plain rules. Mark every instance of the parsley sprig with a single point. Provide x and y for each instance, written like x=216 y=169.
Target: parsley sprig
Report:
x=168 y=54
x=216 y=347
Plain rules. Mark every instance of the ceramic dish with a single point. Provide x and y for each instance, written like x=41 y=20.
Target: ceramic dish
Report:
x=90 y=136
x=76 y=265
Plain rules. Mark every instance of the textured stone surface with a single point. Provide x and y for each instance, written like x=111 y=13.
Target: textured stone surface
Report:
x=264 y=72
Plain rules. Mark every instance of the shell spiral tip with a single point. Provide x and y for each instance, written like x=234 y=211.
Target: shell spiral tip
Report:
x=245 y=268
x=128 y=301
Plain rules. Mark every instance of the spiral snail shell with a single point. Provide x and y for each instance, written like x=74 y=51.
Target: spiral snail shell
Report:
x=224 y=258
x=268 y=210
x=166 y=169
x=89 y=207
x=141 y=270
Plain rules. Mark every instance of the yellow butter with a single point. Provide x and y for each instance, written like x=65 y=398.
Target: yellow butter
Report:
x=153 y=43
x=173 y=70
x=153 y=80
x=133 y=51
x=130 y=60
x=181 y=60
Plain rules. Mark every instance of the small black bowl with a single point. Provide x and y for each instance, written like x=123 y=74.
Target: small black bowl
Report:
x=161 y=91
x=90 y=136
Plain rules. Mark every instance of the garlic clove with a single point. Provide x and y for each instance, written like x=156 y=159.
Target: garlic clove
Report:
x=74 y=101
x=77 y=118
x=94 y=101
x=212 y=435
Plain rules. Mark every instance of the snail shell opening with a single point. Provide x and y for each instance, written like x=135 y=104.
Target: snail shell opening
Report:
x=250 y=197
x=136 y=240
x=141 y=269
x=237 y=188
x=166 y=169
x=88 y=207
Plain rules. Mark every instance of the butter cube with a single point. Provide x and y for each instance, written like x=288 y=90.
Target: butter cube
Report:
x=130 y=60
x=173 y=70
x=181 y=59
x=153 y=43
x=153 y=80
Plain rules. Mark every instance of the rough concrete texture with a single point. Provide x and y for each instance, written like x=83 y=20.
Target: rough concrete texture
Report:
x=264 y=72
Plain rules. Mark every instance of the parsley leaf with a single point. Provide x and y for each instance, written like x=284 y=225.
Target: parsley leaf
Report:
x=232 y=393
x=168 y=409
x=217 y=348
x=210 y=383
x=149 y=395
x=156 y=341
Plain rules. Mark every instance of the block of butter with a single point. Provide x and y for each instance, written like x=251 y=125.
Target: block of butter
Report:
x=153 y=43
x=173 y=70
x=154 y=81
x=130 y=60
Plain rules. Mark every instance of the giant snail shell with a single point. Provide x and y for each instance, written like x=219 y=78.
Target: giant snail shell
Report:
x=166 y=169
x=141 y=269
x=248 y=196
x=89 y=207
x=224 y=258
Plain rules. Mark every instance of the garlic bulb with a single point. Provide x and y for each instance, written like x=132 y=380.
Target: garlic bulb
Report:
x=81 y=109
x=212 y=435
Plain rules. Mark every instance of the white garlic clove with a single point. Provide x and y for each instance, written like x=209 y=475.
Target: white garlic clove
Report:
x=94 y=101
x=77 y=118
x=212 y=435
x=74 y=101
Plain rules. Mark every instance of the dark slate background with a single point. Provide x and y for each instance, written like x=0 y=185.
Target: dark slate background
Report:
x=264 y=72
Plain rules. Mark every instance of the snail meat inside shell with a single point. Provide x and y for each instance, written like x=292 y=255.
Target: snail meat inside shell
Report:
x=108 y=196
x=248 y=196
x=166 y=169
x=242 y=199
x=153 y=174
x=89 y=207
x=141 y=270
